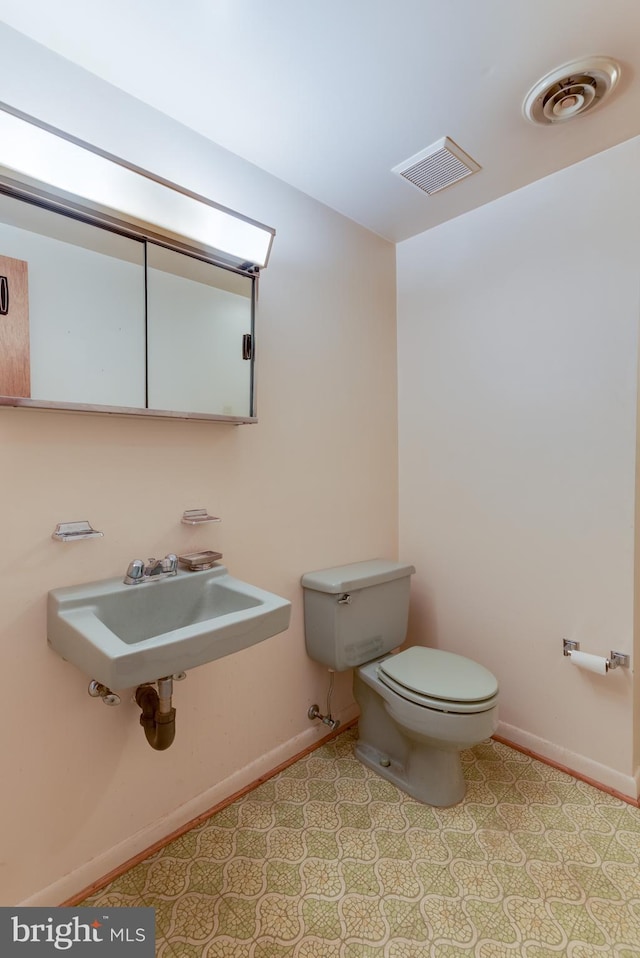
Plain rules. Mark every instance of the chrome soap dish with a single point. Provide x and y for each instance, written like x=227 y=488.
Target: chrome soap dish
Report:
x=193 y=517
x=197 y=561
x=72 y=531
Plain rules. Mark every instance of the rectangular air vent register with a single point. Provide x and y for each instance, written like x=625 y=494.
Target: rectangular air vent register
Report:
x=440 y=165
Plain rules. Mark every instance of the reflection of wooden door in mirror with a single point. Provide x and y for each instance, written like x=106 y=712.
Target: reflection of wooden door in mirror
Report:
x=15 y=378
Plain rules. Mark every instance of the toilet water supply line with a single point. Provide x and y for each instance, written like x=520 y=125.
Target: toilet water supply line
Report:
x=314 y=711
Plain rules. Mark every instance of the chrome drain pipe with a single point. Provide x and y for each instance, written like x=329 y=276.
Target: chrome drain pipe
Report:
x=165 y=691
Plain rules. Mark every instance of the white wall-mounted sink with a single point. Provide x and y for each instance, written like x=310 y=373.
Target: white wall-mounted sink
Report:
x=126 y=635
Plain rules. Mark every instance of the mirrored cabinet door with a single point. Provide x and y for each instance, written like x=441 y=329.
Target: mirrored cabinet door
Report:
x=75 y=297
x=197 y=316
x=94 y=319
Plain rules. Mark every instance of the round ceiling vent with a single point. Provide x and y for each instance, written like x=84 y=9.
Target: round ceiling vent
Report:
x=571 y=90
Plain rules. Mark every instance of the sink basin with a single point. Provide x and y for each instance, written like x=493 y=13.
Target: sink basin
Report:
x=125 y=635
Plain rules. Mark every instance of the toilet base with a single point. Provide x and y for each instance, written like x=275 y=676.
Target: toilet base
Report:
x=430 y=775
x=415 y=748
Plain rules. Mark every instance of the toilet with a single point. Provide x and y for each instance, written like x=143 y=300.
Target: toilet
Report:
x=418 y=708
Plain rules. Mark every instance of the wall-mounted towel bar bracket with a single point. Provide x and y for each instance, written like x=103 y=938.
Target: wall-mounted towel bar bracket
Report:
x=72 y=531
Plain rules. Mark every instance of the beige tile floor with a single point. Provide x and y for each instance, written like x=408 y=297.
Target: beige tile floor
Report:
x=327 y=860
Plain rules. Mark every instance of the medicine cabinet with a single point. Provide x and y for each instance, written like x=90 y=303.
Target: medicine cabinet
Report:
x=96 y=318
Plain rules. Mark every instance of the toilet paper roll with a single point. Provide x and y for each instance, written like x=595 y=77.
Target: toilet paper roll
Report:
x=592 y=663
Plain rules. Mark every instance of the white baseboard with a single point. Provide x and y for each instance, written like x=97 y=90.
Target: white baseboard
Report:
x=628 y=785
x=92 y=871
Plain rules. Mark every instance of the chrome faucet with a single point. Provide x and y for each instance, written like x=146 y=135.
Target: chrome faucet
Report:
x=153 y=571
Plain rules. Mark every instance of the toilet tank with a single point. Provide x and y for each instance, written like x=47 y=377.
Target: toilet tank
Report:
x=355 y=613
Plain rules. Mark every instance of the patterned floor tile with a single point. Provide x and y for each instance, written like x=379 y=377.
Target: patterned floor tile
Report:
x=164 y=949
x=329 y=860
x=122 y=893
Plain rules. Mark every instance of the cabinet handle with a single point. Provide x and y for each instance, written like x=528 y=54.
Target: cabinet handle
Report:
x=4 y=295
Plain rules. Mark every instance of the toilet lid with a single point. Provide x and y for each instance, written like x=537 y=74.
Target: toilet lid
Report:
x=440 y=675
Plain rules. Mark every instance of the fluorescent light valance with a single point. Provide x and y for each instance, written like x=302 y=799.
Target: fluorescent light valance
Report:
x=63 y=168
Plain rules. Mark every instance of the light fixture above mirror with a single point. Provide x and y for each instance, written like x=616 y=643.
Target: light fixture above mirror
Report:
x=39 y=160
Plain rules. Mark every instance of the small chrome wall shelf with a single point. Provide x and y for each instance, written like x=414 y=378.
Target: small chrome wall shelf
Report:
x=72 y=531
x=193 y=517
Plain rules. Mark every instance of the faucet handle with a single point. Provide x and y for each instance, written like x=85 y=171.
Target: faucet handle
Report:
x=135 y=572
x=170 y=563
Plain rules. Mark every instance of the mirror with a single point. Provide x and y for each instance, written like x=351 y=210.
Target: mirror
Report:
x=101 y=320
x=197 y=317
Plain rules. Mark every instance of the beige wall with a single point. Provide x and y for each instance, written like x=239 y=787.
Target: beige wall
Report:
x=313 y=484
x=517 y=341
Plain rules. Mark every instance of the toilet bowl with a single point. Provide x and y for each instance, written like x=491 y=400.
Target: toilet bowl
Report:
x=412 y=733
x=418 y=708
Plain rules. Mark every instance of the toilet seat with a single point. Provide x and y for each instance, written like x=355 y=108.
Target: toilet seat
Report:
x=439 y=680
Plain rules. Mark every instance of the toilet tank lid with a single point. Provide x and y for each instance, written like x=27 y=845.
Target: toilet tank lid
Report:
x=356 y=575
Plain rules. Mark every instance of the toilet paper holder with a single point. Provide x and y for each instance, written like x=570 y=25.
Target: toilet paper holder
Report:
x=616 y=660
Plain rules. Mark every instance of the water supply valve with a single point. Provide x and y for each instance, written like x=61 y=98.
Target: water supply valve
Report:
x=99 y=691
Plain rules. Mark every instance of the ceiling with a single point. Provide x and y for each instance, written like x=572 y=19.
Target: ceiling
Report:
x=330 y=96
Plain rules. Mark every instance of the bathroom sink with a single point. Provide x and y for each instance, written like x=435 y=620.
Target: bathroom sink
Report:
x=126 y=635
